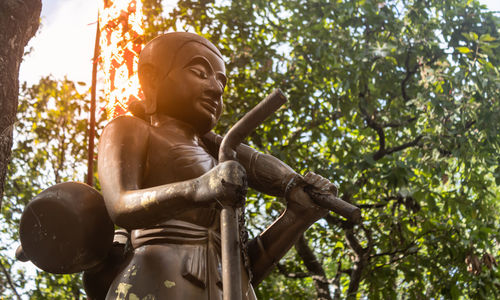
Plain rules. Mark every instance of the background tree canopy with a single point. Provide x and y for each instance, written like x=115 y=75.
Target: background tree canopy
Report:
x=395 y=101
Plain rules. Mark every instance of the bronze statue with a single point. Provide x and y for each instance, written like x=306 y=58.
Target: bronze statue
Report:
x=161 y=182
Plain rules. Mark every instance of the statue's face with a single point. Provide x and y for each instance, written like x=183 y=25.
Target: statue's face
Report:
x=192 y=90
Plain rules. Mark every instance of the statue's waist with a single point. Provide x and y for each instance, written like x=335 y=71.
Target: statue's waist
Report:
x=200 y=260
x=176 y=232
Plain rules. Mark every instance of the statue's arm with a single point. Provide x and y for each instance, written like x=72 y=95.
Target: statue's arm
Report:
x=123 y=151
x=265 y=173
x=271 y=176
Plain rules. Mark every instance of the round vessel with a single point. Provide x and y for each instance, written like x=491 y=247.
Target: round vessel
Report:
x=66 y=229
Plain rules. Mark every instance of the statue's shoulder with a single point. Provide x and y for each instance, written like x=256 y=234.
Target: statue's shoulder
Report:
x=127 y=125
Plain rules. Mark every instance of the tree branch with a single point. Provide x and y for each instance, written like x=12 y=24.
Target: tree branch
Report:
x=369 y=206
x=333 y=220
x=403 y=146
x=362 y=260
x=401 y=124
x=9 y=280
x=391 y=253
x=295 y=275
x=409 y=73
x=372 y=123
x=315 y=268
x=359 y=265
x=379 y=129
x=354 y=243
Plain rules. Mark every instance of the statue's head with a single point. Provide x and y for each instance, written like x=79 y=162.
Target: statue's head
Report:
x=183 y=76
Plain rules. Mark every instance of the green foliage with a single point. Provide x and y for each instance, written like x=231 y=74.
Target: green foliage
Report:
x=397 y=102
x=50 y=147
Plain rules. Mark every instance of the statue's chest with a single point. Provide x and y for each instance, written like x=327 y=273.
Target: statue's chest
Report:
x=174 y=161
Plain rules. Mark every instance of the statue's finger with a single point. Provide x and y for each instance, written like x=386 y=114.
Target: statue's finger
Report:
x=311 y=178
x=323 y=184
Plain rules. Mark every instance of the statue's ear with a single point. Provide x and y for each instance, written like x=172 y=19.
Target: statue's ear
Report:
x=149 y=78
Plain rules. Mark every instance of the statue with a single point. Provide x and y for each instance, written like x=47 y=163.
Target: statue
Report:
x=161 y=182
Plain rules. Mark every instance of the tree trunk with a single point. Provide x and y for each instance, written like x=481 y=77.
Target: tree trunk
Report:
x=19 y=20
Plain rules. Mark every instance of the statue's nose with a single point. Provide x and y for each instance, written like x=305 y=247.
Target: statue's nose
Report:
x=215 y=88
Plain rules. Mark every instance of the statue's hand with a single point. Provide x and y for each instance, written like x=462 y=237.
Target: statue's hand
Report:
x=299 y=202
x=225 y=184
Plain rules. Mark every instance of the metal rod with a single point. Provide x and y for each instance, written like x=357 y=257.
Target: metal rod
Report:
x=231 y=262
x=248 y=123
x=90 y=158
x=230 y=242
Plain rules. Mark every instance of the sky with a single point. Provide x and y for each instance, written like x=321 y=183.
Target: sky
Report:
x=64 y=45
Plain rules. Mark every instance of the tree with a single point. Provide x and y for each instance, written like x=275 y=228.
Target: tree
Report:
x=50 y=147
x=394 y=100
x=19 y=22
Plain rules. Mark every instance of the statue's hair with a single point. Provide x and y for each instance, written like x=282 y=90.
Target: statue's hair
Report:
x=162 y=50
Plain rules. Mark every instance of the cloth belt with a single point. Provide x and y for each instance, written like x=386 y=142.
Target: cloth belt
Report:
x=203 y=261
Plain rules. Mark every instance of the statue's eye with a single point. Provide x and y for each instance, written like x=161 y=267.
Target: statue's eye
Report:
x=200 y=73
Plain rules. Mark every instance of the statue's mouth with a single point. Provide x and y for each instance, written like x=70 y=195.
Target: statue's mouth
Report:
x=210 y=104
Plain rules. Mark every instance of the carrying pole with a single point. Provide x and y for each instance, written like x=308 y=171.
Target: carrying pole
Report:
x=230 y=242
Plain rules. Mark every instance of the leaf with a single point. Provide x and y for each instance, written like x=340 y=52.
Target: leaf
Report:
x=464 y=50
x=487 y=38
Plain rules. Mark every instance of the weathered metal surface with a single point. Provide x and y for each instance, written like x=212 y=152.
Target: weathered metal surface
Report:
x=66 y=229
x=161 y=182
